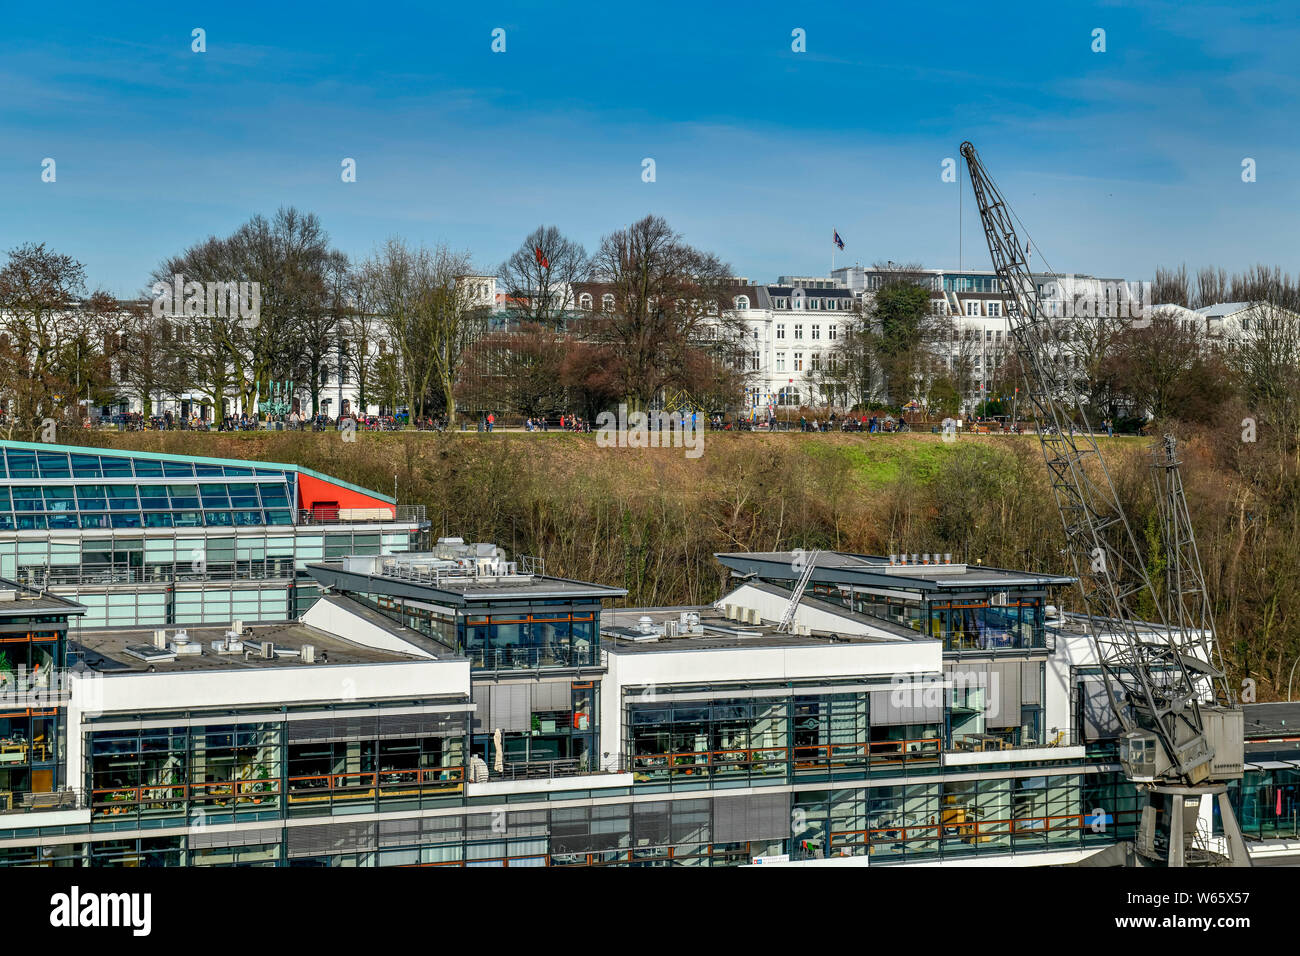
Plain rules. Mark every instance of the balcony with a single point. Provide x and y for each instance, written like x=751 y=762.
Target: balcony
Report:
x=38 y=689
x=15 y=803
x=778 y=761
x=526 y=658
x=404 y=514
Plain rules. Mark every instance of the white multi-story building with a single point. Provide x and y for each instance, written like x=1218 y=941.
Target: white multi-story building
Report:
x=795 y=324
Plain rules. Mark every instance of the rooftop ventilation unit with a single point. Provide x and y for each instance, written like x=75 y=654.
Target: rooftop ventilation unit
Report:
x=308 y=653
x=160 y=638
x=8 y=594
x=645 y=624
x=182 y=645
x=690 y=622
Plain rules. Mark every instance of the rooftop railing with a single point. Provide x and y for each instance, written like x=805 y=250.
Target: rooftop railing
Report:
x=383 y=513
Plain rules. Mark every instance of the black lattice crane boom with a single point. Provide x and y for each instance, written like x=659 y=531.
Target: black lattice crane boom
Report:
x=1173 y=703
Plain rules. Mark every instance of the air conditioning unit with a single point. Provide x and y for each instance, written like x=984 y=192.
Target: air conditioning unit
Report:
x=268 y=650
x=752 y=616
x=998 y=599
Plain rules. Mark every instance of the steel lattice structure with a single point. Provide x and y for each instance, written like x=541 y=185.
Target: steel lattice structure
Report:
x=1153 y=673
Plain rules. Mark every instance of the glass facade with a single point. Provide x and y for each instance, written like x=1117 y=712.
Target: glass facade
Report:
x=905 y=822
x=32 y=653
x=85 y=490
x=1267 y=801
x=149 y=539
x=206 y=577
x=971 y=622
x=687 y=744
x=228 y=771
x=502 y=637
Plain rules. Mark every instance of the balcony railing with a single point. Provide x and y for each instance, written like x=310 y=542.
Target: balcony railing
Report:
x=40 y=688
x=779 y=760
x=383 y=513
x=24 y=802
x=523 y=658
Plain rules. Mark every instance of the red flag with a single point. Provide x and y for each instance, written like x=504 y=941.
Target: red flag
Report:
x=541 y=259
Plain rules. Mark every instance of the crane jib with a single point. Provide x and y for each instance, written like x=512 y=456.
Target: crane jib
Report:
x=1165 y=692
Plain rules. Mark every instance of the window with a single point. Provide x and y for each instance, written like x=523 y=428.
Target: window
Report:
x=585 y=301
x=972 y=307
x=994 y=308
x=816 y=361
x=742 y=302
x=607 y=302
x=780 y=330
x=780 y=361
x=798 y=333
x=798 y=361
x=816 y=332
x=830 y=332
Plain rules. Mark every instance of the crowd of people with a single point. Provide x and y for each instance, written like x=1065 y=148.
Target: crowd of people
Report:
x=878 y=423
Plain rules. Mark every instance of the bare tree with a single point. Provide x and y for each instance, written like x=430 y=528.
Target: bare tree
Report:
x=44 y=310
x=1211 y=287
x=539 y=277
x=287 y=258
x=427 y=316
x=671 y=302
x=1172 y=287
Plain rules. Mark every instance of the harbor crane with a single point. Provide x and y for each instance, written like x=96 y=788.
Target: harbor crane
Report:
x=1182 y=734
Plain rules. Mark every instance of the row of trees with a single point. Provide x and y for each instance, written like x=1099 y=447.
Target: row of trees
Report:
x=645 y=318
x=410 y=326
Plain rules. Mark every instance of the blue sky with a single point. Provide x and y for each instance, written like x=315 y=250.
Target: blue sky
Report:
x=1116 y=161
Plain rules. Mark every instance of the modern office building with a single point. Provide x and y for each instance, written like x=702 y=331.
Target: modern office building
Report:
x=142 y=538
x=454 y=707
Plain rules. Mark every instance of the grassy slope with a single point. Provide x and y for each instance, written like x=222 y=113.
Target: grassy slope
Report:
x=651 y=520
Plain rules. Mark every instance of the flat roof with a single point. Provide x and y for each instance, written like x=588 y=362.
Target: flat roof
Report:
x=619 y=634
x=841 y=567
x=105 y=649
x=458 y=591
x=30 y=601
x=1276 y=719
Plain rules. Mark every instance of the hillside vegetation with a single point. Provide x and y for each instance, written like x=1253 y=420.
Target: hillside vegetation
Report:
x=650 y=520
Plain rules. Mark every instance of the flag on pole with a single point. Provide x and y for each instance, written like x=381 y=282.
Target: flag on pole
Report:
x=541 y=259
x=836 y=238
x=1027 y=252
